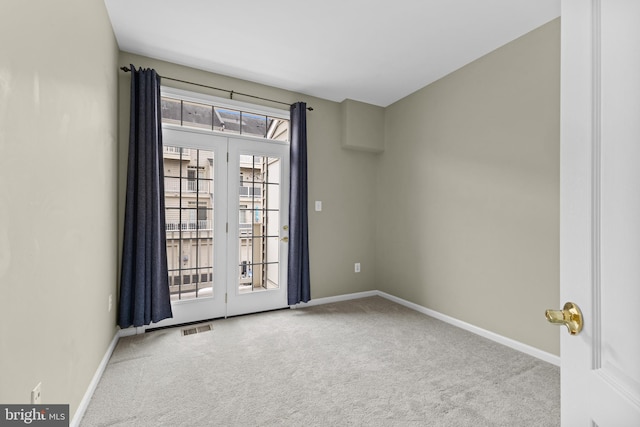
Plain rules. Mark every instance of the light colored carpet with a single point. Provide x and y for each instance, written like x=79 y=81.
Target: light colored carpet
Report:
x=362 y=362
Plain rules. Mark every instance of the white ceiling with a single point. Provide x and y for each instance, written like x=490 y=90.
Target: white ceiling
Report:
x=368 y=50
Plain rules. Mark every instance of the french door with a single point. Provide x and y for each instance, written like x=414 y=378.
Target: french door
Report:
x=226 y=201
x=258 y=226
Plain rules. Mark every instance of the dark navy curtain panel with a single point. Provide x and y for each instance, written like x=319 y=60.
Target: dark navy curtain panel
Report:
x=144 y=282
x=298 y=274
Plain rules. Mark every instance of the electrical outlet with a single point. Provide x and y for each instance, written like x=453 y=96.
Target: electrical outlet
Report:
x=357 y=267
x=110 y=302
x=36 y=394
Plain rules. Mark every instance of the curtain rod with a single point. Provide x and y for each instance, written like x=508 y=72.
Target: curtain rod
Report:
x=231 y=92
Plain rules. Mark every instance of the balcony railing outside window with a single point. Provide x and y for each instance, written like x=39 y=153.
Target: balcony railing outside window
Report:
x=173 y=184
x=250 y=191
x=202 y=224
x=176 y=150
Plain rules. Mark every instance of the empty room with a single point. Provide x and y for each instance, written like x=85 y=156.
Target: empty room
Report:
x=340 y=213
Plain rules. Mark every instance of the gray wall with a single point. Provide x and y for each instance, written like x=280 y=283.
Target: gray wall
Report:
x=468 y=192
x=362 y=126
x=58 y=188
x=340 y=235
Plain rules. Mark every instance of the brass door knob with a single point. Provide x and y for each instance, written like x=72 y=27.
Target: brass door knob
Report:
x=285 y=239
x=570 y=315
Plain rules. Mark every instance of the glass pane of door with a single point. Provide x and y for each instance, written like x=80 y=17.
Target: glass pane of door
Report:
x=259 y=223
x=189 y=194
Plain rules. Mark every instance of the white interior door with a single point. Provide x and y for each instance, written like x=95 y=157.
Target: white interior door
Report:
x=258 y=226
x=600 y=211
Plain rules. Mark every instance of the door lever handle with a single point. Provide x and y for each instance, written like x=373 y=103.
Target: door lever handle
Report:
x=570 y=315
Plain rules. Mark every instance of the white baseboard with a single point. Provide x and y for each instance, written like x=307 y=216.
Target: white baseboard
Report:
x=338 y=298
x=84 y=403
x=516 y=345
x=133 y=330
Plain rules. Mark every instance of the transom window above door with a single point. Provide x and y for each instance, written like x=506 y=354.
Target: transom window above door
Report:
x=222 y=116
